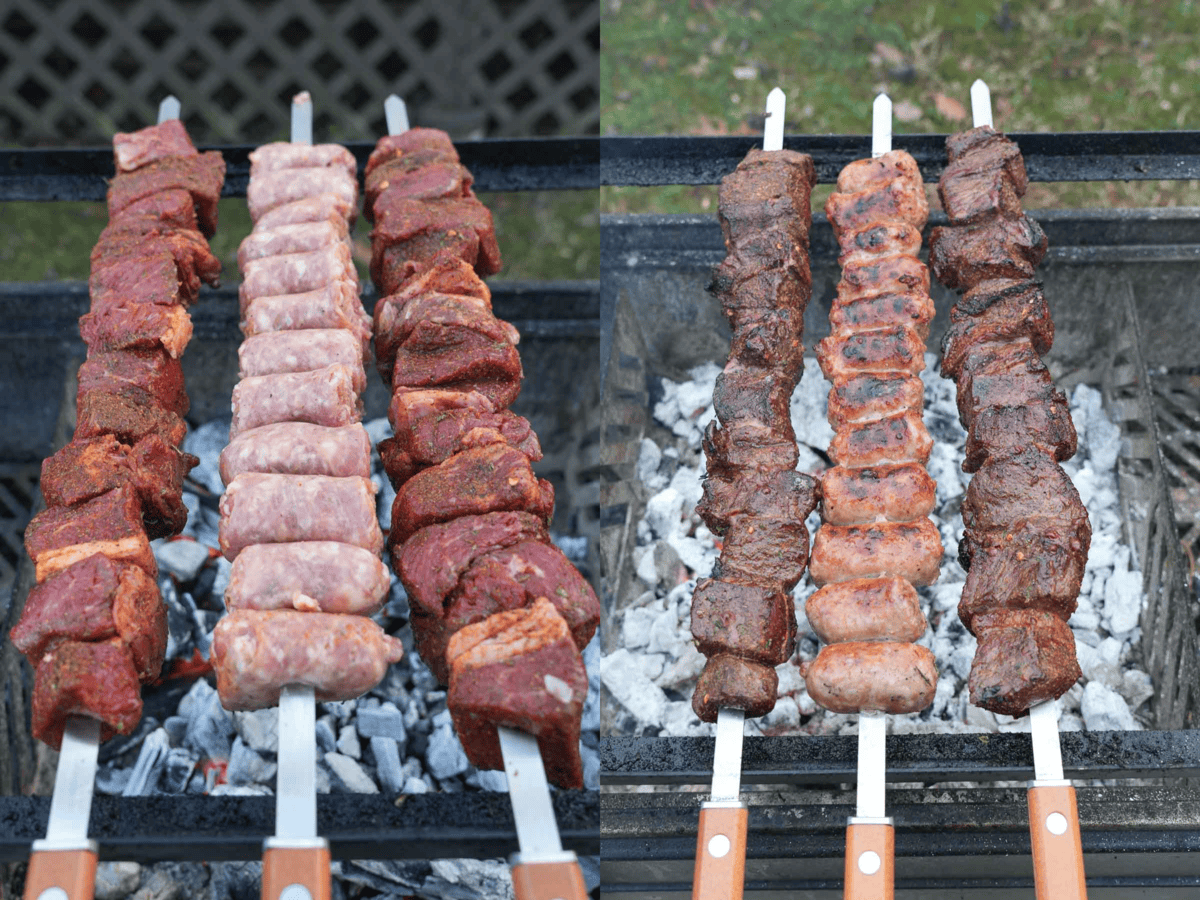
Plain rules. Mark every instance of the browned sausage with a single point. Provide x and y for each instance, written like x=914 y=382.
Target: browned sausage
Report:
x=862 y=676
x=866 y=609
x=912 y=550
x=858 y=496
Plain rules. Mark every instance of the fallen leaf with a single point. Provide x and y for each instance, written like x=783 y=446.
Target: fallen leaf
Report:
x=889 y=54
x=906 y=111
x=949 y=108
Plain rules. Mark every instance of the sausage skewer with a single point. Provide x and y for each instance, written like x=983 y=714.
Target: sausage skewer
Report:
x=720 y=870
x=1053 y=815
x=62 y=865
x=295 y=859
x=542 y=870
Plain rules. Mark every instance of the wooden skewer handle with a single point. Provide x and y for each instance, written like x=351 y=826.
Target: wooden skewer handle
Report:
x=548 y=881
x=1057 y=851
x=287 y=869
x=73 y=871
x=870 y=861
x=720 y=872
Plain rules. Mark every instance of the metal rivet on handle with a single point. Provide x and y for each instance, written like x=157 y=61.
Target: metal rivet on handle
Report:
x=719 y=845
x=1057 y=823
x=54 y=893
x=295 y=892
x=869 y=863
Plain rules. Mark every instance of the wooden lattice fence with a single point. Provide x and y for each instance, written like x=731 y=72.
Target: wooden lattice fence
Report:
x=75 y=71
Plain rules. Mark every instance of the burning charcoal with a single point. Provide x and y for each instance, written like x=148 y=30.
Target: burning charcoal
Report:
x=384 y=720
x=445 y=756
x=180 y=621
x=150 y=764
x=112 y=780
x=350 y=774
x=117 y=880
x=247 y=767
x=210 y=727
x=387 y=763
x=178 y=769
x=326 y=738
x=348 y=743
x=259 y=729
x=176 y=728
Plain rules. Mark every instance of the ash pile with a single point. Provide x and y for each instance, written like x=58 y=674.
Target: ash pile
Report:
x=397 y=739
x=653 y=670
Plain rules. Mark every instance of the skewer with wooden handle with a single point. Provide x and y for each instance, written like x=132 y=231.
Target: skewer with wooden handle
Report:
x=542 y=870
x=720 y=872
x=1053 y=815
x=296 y=860
x=62 y=866
x=870 y=835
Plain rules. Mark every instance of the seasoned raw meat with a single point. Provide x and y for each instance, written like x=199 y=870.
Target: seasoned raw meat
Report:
x=284 y=155
x=136 y=236
x=302 y=237
x=329 y=207
x=856 y=496
x=431 y=562
x=398 y=465
x=128 y=418
x=110 y=524
x=152 y=377
x=275 y=509
x=521 y=670
x=149 y=275
x=866 y=609
x=323 y=397
x=85 y=469
x=910 y=549
x=96 y=680
x=134 y=150
x=860 y=676
x=130 y=325
x=743 y=620
x=168 y=209
x=298 y=448
x=734 y=683
x=413 y=141
x=311 y=576
x=495 y=478
x=283 y=186
x=279 y=352
x=202 y=176
x=255 y=653
x=295 y=273
x=451 y=358
x=409 y=235
x=427 y=175
x=431 y=426
x=1024 y=657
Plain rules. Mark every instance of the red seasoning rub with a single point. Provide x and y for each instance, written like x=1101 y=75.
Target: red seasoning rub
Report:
x=298 y=515
x=498 y=612
x=1027 y=532
x=95 y=624
x=742 y=618
x=876 y=541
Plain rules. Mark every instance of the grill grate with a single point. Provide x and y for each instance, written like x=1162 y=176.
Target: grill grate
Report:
x=18 y=488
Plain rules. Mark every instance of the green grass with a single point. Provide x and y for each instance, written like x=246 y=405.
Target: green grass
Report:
x=1053 y=65
x=543 y=235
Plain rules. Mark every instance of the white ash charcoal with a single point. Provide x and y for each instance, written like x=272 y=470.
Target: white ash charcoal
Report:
x=1136 y=687
x=1106 y=710
x=348 y=743
x=687 y=408
x=384 y=720
x=415 y=786
x=445 y=756
x=574 y=548
x=387 y=763
x=182 y=558
x=649 y=460
x=325 y=735
x=247 y=767
x=178 y=769
x=112 y=780
x=150 y=763
x=206 y=443
x=117 y=880
x=622 y=676
x=239 y=790
x=259 y=729
x=350 y=774
x=489 y=780
x=210 y=727
x=590 y=720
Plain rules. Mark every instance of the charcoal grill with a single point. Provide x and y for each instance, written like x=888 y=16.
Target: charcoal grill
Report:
x=1122 y=286
x=560 y=327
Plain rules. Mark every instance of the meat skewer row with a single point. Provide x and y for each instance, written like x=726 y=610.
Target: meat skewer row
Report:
x=876 y=541
x=298 y=516
x=498 y=612
x=1027 y=532
x=95 y=625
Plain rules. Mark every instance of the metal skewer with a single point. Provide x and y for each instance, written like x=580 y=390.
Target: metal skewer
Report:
x=1053 y=815
x=720 y=870
x=62 y=866
x=295 y=859
x=543 y=870
x=870 y=836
